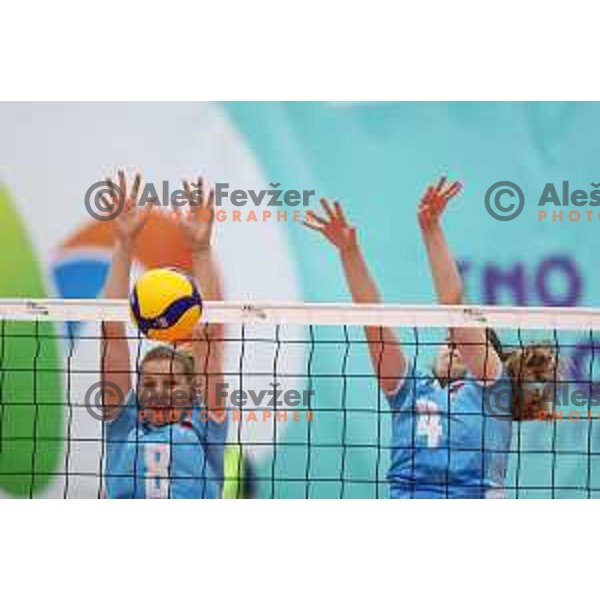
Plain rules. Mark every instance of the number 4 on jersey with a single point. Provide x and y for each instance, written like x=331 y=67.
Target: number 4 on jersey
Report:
x=428 y=422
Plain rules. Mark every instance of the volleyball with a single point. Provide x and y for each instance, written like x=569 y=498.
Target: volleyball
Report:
x=165 y=305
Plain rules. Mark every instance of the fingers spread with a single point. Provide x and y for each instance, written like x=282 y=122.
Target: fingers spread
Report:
x=441 y=183
x=135 y=188
x=312 y=225
x=200 y=184
x=315 y=218
x=106 y=202
x=210 y=205
x=187 y=190
x=452 y=190
x=114 y=196
x=122 y=182
x=327 y=208
x=339 y=213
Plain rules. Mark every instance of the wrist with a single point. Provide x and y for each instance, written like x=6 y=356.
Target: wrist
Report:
x=431 y=229
x=200 y=249
x=349 y=251
x=124 y=246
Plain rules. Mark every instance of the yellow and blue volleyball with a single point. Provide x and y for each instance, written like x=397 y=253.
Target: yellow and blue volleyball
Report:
x=165 y=305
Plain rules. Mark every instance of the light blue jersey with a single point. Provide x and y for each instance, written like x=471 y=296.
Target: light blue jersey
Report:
x=178 y=460
x=445 y=442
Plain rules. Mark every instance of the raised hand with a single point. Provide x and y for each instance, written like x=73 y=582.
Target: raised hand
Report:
x=198 y=225
x=130 y=221
x=335 y=227
x=434 y=202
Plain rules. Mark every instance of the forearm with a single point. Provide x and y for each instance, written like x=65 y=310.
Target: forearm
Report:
x=481 y=361
x=206 y=273
x=362 y=286
x=117 y=280
x=360 y=282
x=444 y=270
x=114 y=347
x=208 y=342
x=117 y=284
x=385 y=351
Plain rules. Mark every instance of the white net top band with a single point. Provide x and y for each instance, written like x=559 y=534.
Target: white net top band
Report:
x=301 y=313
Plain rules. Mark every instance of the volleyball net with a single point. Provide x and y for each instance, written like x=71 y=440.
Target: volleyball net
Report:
x=306 y=413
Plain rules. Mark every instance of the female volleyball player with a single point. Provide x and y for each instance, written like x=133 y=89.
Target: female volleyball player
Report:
x=160 y=441
x=445 y=440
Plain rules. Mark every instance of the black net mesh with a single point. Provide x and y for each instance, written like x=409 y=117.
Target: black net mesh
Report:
x=306 y=418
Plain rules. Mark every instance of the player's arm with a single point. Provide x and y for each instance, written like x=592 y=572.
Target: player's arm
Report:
x=479 y=357
x=207 y=338
x=114 y=351
x=385 y=351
